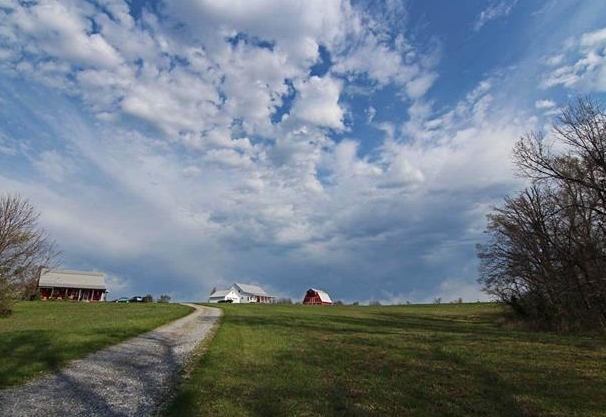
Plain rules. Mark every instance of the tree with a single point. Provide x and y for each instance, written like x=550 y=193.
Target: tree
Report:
x=547 y=251
x=164 y=298
x=24 y=249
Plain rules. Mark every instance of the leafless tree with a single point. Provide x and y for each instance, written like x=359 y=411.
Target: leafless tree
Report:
x=547 y=253
x=24 y=249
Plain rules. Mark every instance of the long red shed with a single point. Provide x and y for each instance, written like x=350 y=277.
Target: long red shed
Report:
x=72 y=285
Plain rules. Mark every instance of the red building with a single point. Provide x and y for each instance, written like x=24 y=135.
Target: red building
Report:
x=72 y=285
x=317 y=297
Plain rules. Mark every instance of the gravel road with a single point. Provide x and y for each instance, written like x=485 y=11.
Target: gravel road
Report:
x=129 y=379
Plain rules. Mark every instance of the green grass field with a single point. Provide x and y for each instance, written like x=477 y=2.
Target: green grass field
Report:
x=41 y=336
x=435 y=360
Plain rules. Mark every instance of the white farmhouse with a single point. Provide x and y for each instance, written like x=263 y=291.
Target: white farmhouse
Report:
x=241 y=293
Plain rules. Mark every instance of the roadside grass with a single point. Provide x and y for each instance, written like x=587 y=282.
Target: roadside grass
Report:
x=42 y=336
x=433 y=360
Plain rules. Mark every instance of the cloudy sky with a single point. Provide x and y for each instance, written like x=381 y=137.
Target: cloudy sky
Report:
x=353 y=146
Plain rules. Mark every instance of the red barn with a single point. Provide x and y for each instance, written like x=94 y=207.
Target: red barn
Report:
x=317 y=297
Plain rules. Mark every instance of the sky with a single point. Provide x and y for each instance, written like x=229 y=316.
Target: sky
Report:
x=350 y=146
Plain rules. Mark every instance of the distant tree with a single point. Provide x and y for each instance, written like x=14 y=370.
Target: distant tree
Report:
x=374 y=303
x=284 y=300
x=437 y=300
x=24 y=249
x=164 y=298
x=148 y=298
x=547 y=254
x=355 y=303
x=338 y=303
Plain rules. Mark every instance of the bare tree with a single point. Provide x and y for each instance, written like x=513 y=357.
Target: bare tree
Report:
x=24 y=249
x=547 y=251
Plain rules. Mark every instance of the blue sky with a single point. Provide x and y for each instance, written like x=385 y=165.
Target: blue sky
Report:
x=353 y=146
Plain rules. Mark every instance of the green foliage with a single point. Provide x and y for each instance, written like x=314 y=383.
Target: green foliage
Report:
x=429 y=360
x=42 y=336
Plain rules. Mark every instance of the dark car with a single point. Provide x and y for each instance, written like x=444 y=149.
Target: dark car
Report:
x=121 y=300
x=136 y=299
x=226 y=301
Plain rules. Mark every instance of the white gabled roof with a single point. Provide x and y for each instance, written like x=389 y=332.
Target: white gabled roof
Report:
x=323 y=295
x=220 y=293
x=251 y=289
x=72 y=279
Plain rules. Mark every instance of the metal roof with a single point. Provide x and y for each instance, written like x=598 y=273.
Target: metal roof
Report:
x=72 y=279
x=251 y=289
x=323 y=295
x=220 y=293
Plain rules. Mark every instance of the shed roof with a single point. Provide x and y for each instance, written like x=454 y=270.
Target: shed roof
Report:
x=72 y=279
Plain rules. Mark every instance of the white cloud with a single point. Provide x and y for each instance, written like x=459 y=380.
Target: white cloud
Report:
x=53 y=165
x=371 y=112
x=384 y=55
x=454 y=288
x=7 y=146
x=227 y=157
x=417 y=87
x=495 y=10
x=544 y=104
x=318 y=102
x=583 y=67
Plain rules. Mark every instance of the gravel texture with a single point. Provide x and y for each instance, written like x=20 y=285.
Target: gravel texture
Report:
x=133 y=378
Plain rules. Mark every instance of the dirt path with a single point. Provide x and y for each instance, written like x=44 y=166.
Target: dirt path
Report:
x=129 y=379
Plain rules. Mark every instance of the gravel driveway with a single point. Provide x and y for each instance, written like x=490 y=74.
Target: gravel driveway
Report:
x=129 y=379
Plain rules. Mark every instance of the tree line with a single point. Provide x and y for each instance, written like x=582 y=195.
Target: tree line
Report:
x=546 y=256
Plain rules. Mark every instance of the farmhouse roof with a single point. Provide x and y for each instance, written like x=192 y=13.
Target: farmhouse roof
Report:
x=251 y=289
x=72 y=279
x=220 y=293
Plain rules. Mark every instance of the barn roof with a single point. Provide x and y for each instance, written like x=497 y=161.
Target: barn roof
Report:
x=323 y=295
x=251 y=289
x=72 y=279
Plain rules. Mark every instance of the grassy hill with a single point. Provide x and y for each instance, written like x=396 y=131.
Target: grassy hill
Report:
x=434 y=360
x=41 y=336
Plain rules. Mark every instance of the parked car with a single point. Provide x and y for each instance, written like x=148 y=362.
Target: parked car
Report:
x=121 y=300
x=226 y=301
x=136 y=299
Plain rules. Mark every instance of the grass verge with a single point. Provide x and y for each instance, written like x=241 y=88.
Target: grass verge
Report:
x=42 y=336
x=447 y=360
